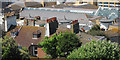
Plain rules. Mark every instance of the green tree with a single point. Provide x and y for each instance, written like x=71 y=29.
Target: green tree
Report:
x=97 y=50
x=95 y=27
x=60 y=45
x=10 y=50
x=25 y=49
x=95 y=31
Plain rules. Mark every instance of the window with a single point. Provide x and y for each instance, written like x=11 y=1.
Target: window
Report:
x=89 y=39
x=118 y=3
x=111 y=6
x=105 y=5
x=35 y=48
x=100 y=2
x=12 y=34
x=111 y=3
x=105 y=2
x=34 y=35
x=100 y=5
x=35 y=52
x=37 y=34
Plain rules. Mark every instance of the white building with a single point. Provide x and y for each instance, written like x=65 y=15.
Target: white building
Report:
x=7 y=20
x=1 y=22
x=105 y=24
x=47 y=32
x=20 y=23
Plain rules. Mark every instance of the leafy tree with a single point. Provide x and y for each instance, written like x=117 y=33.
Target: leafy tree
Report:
x=97 y=50
x=10 y=50
x=95 y=27
x=95 y=31
x=60 y=45
x=25 y=49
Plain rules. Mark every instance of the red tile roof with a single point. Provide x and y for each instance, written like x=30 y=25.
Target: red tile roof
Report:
x=25 y=35
x=41 y=53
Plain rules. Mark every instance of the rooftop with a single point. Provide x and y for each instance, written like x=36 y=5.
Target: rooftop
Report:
x=110 y=13
x=25 y=35
x=15 y=6
x=33 y=4
x=106 y=20
x=48 y=14
x=67 y=10
x=85 y=38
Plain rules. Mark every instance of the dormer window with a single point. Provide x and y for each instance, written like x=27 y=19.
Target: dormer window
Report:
x=14 y=32
x=36 y=34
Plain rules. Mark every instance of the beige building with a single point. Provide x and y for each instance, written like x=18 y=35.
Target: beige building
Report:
x=102 y=3
x=108 y=3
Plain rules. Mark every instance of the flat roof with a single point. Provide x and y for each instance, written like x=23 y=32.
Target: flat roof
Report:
x=71 y=10
x=47 y=14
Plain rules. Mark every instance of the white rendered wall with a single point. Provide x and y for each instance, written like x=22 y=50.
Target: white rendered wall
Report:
x=103 y=26
x=47 y=33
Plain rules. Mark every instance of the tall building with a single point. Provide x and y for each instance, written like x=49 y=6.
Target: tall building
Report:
x=109 y=3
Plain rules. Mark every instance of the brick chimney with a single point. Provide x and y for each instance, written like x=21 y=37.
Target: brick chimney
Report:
x=75 y=26
x=51 y=26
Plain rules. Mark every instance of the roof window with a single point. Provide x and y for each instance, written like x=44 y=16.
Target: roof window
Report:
x=36 y=34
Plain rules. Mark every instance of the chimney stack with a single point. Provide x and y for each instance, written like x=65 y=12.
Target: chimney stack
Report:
x=75 y=26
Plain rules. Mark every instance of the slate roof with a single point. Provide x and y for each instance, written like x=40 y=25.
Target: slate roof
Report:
x=33 y=4
x=6 y=10
x=86 y=6
x=111 y=13
x=4 y=4
x=60 y=6
x=16 y=6
x=25 y=35
x=63 y=28
x=85 y=38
